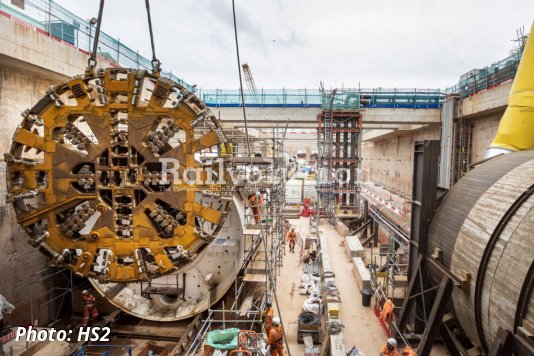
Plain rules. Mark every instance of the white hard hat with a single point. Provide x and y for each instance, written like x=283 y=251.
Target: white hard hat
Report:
x=276 y=320
x=392 y=342
x=85 y=291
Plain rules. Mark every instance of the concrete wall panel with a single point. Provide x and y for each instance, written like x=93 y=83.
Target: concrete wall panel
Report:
x=483 y=132
x=20 y=263
x=389 y=162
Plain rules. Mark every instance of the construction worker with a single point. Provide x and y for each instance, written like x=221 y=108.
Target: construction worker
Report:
x=292 y=238
x=408 y=351
x=387 y=310
x=254 y=202
x=268 y=317
x=286 y=227
x=276 y=336
x=390 y=348
x=89 y=308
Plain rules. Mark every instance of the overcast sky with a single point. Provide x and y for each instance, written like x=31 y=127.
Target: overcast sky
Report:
x=299 y=43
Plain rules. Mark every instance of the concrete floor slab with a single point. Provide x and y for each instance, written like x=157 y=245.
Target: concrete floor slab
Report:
x=362 y=329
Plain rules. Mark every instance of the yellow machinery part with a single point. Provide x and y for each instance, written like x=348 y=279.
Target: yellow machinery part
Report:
x=86 y=178
x=516 y=129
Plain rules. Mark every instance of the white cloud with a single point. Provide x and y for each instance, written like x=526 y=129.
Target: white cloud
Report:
x=297 y=44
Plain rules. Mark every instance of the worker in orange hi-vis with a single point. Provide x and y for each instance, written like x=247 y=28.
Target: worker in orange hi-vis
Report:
x=292 y=238
x=254 y=202
x=390 y=348
x=408 y=351
x=268 y=317
x=287 y=225
x=89 y=308
x=275 y=339
x=387 y=310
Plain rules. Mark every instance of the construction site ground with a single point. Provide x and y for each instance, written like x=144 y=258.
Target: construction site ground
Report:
x=362 y=328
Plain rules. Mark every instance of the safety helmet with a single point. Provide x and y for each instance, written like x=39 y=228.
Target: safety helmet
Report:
x=85 y=291
x=276 y=320
x=392 y=342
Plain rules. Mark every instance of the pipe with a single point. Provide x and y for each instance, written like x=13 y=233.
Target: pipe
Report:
x=516 y=129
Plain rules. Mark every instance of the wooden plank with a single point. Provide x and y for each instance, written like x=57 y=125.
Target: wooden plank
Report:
x=254 y=232
x=245 y=306
x=254 y=277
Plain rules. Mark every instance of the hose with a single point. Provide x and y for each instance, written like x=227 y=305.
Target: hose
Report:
x=309 y=318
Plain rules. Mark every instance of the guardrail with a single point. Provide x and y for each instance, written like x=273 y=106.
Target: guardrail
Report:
x=263 y=98
x=51 y=19
x=488 y=77
x=345 y=99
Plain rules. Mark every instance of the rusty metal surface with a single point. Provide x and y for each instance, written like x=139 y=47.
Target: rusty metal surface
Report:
x=85 y=179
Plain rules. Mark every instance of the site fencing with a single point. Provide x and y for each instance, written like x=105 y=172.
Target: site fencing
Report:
x=51 y=19
x=345 y=99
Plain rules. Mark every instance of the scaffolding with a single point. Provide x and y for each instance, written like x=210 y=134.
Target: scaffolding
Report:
x=263 y=240
x=389 y=267
x=339 y=150
x=462 y=149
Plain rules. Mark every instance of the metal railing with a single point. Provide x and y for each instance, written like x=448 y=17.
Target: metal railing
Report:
x=470 y=83
x=477 y=80
x=262 y=98
x=51 y=19
x=345 y=99
x=55 y=21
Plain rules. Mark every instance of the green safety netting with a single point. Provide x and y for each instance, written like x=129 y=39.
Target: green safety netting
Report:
x=223 y=339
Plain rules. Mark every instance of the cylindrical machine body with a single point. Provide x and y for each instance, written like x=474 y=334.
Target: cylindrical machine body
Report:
x=202 y=283
x=485 y=230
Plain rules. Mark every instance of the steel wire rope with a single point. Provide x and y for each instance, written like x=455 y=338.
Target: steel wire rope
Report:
x=156 y=64
x=267 y=259
x=91 y=62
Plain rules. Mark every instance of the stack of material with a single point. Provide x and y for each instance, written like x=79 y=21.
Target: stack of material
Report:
x=337 y=346
x=361 y=273
x=312 y=267
x=354 y=247
x=309 y=349
x=312 y=305
x=309 y=285
x=330 y=292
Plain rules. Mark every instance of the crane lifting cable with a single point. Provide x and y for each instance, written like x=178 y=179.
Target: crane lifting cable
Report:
x=109 y=175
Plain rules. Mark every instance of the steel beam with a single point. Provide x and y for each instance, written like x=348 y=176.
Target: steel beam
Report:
x=435 y=319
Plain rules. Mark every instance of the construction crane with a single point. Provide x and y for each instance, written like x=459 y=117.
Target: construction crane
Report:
x=250 y=82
